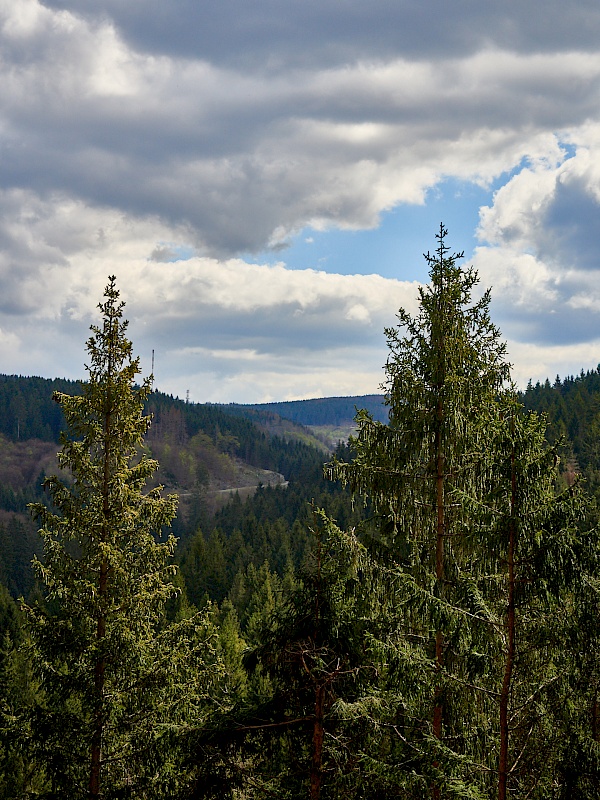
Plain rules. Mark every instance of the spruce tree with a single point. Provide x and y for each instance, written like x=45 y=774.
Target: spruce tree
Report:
x=111 y=670
x=533 y=566
x=445 y=369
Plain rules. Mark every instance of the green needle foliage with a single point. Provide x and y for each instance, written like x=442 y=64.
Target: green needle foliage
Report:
x=482 y=648
x=115 y=679
x=293 y=733
x=533 y=565
x=445 y=369
x=314 y=655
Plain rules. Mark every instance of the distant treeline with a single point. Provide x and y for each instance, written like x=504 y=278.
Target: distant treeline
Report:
x=189 y=440
x=572 y=406
x=271 y=526
x=235 y=435
x=27 y=410
x=332 y=411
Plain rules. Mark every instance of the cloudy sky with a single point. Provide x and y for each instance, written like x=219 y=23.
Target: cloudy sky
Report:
x=263 y=177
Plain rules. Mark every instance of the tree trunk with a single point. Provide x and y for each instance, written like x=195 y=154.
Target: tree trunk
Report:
x=98 y=723
x=100 y=665
x=439 y=574
x=316 y=771
x=439 y=341
x=510 y=650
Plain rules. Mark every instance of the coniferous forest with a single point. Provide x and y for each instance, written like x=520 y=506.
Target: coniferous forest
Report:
x=201 y=601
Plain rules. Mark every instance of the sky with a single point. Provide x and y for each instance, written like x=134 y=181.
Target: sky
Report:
x=263 y=178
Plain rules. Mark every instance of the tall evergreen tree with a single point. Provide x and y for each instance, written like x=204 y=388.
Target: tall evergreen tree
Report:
x=532 y=566
x=111 y=671
x=445 y=369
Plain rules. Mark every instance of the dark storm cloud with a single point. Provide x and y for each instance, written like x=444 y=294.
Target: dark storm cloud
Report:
x=237 y=157
x=321 y=327
x=551 y=324
x=269 y=34
x=570 y=222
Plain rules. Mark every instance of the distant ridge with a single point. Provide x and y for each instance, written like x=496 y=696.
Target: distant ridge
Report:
x=337 y=411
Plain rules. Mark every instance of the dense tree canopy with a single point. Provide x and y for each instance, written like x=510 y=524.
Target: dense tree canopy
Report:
x=431 y=632
x=436 y=474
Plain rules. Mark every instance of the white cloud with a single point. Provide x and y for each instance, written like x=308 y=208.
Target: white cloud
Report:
x=540 y=250
x=538 y=362
x=358 y=313
x=160 y=142
x=225 y=329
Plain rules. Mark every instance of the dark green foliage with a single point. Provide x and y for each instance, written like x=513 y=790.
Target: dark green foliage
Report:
x=530 y=566
x=288 y=736
x=10 y=626
x=19 y=542
x=572 y=408
x=271 y=526
x=19 y=777
x=27 y=410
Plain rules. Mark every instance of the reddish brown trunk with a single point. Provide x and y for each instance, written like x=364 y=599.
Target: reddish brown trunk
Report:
x=98 y=724
x=439 y=574
x=510 y=650
x=316 y=771
x=440 y=344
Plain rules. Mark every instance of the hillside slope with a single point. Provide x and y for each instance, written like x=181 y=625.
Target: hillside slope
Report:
x=205 y=456
x=330 y=419
x=328 y=411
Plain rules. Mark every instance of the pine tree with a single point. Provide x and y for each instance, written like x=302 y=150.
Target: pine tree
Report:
x=445 y=369
x=289 y=734
x=111 y=670
x=17 y=691
x=532 y=565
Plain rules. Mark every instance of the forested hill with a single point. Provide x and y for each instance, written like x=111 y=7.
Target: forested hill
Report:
x=322 y=411
x=572 y=407
x=27 y=412
x=205 y=454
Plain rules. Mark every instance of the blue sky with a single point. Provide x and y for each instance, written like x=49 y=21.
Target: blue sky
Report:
x=395 y=247
x=263 y=179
